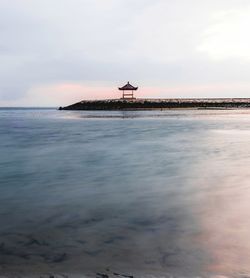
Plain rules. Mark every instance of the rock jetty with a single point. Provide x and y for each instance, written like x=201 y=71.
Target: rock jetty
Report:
x=148 y=104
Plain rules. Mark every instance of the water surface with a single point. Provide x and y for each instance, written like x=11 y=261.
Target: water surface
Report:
x=142 y=193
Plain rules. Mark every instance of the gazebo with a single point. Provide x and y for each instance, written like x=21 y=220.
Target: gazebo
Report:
x=128 y=91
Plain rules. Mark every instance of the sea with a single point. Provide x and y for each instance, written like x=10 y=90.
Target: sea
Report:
x=124 y=193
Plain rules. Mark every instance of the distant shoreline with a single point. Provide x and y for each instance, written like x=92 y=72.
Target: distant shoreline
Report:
x=160 y=104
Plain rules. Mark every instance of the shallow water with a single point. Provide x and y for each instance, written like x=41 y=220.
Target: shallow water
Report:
x=146 y=192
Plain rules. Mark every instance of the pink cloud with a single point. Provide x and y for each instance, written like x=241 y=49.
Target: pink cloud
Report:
x=67 y=93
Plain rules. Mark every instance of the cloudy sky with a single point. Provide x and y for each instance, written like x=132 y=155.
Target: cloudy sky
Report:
x=55 y=52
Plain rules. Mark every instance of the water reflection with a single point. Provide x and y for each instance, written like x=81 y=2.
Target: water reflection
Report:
x=223 y=196
x=160 y=195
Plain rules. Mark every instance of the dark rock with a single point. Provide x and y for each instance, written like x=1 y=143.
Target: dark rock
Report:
x=101 y=275
x=122 y=275
x=147 y=104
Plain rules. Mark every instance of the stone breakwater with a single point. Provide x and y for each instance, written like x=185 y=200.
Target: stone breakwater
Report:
x=147 y=104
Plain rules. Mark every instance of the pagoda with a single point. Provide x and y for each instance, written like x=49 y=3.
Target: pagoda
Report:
x=128 y=91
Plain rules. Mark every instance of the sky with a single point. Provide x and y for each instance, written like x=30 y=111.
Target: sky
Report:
x=57 y=52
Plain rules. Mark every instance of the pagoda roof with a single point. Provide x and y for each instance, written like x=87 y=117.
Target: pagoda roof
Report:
x=128 y=87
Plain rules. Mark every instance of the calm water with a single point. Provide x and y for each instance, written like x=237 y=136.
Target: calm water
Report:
x=142 y=193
